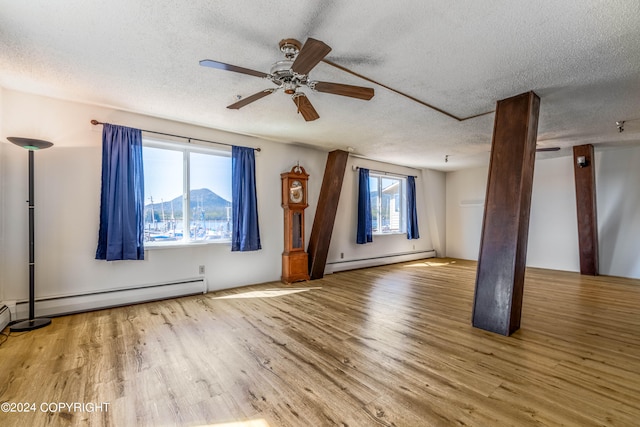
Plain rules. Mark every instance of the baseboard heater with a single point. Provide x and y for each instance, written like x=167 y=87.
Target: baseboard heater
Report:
x=69 y=304
x=353 y=264
x=5 y=317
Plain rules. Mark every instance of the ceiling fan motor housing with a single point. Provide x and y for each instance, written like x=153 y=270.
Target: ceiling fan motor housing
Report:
x=290 y=47
x=281 y=72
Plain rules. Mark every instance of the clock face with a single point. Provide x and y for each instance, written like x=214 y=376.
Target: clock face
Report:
x=296 y=192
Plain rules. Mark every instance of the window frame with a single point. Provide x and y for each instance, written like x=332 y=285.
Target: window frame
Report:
x=186 y=149
x=377 y=205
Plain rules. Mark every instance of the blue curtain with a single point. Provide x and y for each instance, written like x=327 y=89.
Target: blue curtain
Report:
x=365 y=229
x=246 y=232
x=121 y=231
x=412 y=213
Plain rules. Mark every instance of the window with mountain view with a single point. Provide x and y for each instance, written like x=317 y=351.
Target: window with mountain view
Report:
x=187 y=194
x=388 y=203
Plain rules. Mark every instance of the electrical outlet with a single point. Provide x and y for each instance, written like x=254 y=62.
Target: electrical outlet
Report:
x=201 y=269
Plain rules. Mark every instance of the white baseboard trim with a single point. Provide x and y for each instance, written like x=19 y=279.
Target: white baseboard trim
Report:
x=68 y=304
x=333 y=267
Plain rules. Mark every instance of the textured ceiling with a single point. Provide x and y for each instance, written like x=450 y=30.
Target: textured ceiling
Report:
x=581 y=57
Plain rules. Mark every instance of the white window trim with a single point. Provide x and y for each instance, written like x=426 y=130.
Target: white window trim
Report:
x=185 y=147
x=403 y=202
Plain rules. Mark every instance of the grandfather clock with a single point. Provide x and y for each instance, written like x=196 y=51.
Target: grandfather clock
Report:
x=295 y=261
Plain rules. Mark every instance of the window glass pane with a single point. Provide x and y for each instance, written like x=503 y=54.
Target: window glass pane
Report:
x=163 y=190
x=388 y=201
x=388 y=213
x=168 y=218
x=210 y=197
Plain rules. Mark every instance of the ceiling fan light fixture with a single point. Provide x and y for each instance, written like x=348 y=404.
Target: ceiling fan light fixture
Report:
x=290 y=88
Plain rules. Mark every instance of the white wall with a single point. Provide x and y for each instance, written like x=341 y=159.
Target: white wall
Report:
x=553 y=234
x=465 y=192
x=553 y=225
x=618 y=194
x=67 y=185
x=343 y=239
x=68 y=193
x=434 y=188
x=67 y=199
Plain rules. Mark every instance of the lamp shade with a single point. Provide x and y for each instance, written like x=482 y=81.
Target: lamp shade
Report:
x=30 y=143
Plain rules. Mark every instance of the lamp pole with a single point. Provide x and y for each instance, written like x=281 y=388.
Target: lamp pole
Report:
x=33 y=322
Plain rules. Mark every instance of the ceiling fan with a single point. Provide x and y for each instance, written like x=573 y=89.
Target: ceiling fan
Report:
x=292 y=73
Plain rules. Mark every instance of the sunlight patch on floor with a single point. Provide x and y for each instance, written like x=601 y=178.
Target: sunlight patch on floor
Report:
x=267 y=293
x=430 y=264
x=251 y=423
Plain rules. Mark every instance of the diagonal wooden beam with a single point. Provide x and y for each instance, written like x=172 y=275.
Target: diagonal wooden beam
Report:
x=326 y=212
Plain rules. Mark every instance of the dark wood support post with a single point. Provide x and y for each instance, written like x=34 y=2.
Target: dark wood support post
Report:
x=326 y=212
x=503 y=246
x=585 y=178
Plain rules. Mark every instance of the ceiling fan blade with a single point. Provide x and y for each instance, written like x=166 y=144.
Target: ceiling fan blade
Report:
x=312 y=52
x=250 y=99
x=304 y=107
x=344 y=90
x=543 y=149
x=229 y=67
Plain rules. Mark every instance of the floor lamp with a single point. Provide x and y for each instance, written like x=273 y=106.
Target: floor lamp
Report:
x=32 y=323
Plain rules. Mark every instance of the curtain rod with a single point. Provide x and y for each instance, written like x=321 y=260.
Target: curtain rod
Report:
x=355 y=168
x=95 y=122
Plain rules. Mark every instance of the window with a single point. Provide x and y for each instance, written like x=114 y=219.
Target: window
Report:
x=187 y=192
x=388 y=203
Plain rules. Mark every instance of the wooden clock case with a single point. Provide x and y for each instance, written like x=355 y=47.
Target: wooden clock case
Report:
x=295 y=261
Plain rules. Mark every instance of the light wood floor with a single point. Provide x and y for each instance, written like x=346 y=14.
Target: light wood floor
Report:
x=388 y=346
